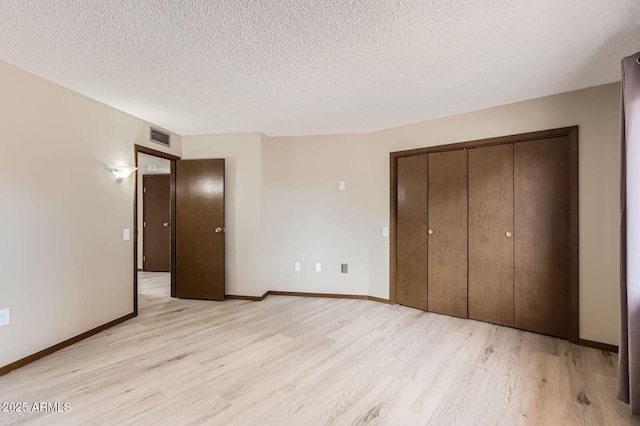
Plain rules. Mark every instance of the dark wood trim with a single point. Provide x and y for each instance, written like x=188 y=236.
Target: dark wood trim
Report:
x=254 y=298
x=327 y=295
x=156 y=176
x=299 y=294
x=572 y=134
x=521 y=137
x=393 y=202
x=172 y=159
x=379 y=300
x=48 y=351
x=597 y=345
x=135 y=232
x=172 y=198
x=155 y=152
x=574 y=287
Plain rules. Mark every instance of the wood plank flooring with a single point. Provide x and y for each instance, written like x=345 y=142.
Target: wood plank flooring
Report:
x=310 y=361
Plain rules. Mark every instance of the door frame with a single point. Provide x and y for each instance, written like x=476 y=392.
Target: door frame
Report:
x=572 y=134
x=172 y=200
x=144 y=213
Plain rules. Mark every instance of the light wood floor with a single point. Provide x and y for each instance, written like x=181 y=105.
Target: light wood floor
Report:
x=299 y=361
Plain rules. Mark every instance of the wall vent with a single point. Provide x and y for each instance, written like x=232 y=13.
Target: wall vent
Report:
x=159 y=137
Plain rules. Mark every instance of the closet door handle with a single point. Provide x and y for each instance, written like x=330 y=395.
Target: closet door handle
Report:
x=508 y=234
x=430 y=232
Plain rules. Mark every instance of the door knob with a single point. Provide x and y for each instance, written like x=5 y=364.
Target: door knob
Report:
x=166 y=224
x=508 y=234
x=218 y=230
x=430 y=232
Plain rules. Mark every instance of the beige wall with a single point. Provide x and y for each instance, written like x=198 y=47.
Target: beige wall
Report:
x=242 y=204
x=308 y=220
x=305 y=218
x=64 y=266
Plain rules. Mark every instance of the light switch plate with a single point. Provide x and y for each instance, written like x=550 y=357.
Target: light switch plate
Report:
x=5 y=317
x=126 y=234
x=385 y=231
x=318 y=267
x=342 y=185
x=297 y=266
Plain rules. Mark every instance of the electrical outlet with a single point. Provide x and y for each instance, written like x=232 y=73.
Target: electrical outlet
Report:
x=318 y=267
x=126 y=234
x=297 y=267
x=5 y=318
x=344 y=268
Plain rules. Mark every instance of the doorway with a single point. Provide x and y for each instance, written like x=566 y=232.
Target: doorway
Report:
x=154 y=214
x=195 y=227
x=156 y=221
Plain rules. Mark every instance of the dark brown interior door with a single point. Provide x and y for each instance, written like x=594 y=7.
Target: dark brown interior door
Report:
x=200 y=229
x=542 y=235
x=491 y=234
x=411 y=231
x=156 y=233
x=447 y=241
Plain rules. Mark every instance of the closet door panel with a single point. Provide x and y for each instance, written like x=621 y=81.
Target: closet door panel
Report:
x=447 y=241
x=491 y=234
x=542 y=235
x=411 y=231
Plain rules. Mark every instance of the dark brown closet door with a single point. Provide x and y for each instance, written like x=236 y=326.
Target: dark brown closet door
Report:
x=411 y=232
x=542 y=230
x=491 y=234
x=447 y=241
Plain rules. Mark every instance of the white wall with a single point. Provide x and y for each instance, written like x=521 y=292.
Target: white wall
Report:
x=305 y=218
x=242 y=153
x=64 y=268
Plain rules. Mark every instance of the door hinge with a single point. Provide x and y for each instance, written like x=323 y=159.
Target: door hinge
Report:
x=144 y=224
x=144 y=258
x=144 y=190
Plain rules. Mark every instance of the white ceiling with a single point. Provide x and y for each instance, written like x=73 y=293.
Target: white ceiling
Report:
x=310 y=66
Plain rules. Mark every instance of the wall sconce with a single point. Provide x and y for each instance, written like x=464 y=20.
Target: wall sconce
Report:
x=122 y=172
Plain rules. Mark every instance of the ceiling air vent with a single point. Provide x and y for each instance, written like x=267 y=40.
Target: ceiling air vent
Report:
x=160 y=137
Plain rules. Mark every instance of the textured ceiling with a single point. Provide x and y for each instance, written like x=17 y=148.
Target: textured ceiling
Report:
x=307 y=67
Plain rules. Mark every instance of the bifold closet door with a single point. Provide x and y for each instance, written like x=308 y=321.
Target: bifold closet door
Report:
x=542 y=235
x=491 y=234
x=447 y=234
x=411 y=231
